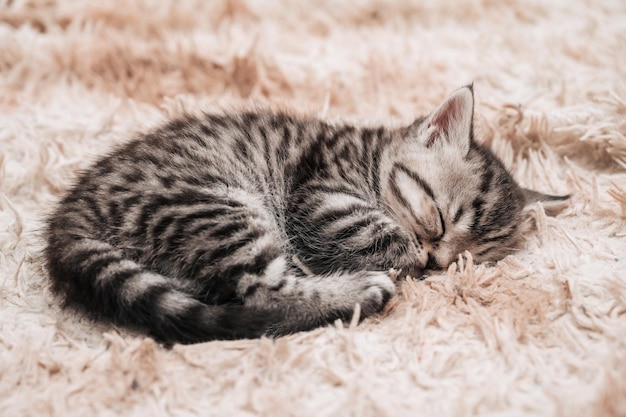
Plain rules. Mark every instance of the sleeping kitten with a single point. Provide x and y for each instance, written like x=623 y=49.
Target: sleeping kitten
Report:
x=259 y=223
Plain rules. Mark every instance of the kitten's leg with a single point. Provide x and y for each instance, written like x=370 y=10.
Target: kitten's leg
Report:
x=238 y=254
x=340 y=231
x=305 y=302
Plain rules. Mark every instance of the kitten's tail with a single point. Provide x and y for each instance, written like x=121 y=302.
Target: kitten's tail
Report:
x=98 y=277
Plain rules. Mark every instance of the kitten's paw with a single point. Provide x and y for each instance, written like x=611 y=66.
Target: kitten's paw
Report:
x=377 y=289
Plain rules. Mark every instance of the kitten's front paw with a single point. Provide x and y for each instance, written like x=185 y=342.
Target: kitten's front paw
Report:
x=377 y=289
x=414 y=271
x=401 y=255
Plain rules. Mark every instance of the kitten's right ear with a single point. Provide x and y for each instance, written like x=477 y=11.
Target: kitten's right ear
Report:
x=452 y=121
x=550 y=203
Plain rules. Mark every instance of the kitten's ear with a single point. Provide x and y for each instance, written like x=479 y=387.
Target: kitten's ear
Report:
x=552 y=204
x=453 y=120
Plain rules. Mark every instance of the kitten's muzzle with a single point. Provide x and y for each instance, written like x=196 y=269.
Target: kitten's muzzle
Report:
x=432 y=262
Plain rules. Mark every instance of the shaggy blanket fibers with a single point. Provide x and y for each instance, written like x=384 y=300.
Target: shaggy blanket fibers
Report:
x=543 y=332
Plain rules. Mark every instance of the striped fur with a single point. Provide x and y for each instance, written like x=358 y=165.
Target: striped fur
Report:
x=260 y=223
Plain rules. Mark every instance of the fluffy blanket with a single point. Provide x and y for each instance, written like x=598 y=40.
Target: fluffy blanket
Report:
x=542 y=333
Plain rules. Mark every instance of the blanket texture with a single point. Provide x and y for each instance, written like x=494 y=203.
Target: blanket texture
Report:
x=541 y=333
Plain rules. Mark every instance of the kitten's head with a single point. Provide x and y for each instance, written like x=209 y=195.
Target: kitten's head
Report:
x=451 y=193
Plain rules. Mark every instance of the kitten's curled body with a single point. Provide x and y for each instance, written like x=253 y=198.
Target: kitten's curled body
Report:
x=253 y=223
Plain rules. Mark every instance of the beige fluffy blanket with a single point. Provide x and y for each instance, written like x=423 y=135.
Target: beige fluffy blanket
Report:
x=542 y=333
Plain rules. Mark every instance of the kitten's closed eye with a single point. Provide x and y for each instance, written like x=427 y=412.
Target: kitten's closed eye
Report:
x=457 y=216
x=442 y=227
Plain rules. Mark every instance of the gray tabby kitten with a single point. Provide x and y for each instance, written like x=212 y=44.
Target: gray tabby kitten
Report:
x=259 y=223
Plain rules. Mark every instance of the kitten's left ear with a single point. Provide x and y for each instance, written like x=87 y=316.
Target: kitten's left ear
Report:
x=453 y=120
x=552 y=204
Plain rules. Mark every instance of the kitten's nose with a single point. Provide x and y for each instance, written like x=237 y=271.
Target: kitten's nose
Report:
x=432 y=262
